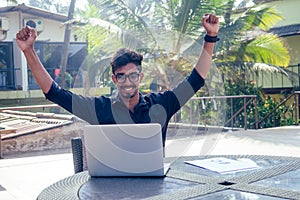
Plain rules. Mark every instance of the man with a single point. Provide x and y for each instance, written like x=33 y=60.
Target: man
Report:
x=129 y=106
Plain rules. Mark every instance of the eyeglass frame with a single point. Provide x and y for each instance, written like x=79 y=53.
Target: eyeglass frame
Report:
x=121 y=75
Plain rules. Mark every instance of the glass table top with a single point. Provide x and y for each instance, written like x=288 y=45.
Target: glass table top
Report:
x=289 y=181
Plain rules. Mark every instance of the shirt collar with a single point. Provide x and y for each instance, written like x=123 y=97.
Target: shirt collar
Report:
x=115 y=98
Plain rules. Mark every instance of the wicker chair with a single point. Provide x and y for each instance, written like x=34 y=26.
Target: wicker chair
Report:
x=77 y=152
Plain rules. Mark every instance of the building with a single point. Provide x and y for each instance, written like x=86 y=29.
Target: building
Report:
x=289 y=30
x=16 y=80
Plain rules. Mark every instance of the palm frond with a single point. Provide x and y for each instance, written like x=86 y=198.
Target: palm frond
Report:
x=267 y=48
x=260 y=17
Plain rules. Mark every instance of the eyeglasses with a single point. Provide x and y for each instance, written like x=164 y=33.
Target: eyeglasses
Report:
x=133 y=77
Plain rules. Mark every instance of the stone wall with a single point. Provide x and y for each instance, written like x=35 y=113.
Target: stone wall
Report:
x=51 y=139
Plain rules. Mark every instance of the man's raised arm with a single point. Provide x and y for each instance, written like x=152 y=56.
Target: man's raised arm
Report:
x=211 y=24
x=25 y=39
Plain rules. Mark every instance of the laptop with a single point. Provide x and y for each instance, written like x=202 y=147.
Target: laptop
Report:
x=124 y=150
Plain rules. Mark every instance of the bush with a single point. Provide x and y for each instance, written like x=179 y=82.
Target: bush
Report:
x=265 y=105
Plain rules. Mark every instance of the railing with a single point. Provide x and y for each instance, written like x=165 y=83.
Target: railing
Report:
x=247 y=100
x=216 y=106
x=295 y=95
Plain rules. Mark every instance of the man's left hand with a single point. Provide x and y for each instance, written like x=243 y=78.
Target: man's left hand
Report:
x=211 y=24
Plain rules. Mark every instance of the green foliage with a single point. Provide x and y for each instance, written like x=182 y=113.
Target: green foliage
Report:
x=260 y=16
x=244 y=42
x=235 y=88
x=149 y=22
x=265 y=105
x=283 y=115
x=244 y=37
x=267 y=48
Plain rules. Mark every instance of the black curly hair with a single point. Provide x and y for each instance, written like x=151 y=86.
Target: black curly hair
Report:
x=124 y=56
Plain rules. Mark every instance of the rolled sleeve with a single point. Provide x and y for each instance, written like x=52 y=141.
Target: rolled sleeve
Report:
x=196 y=80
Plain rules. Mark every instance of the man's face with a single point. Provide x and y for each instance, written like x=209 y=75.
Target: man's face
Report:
x=127 y=80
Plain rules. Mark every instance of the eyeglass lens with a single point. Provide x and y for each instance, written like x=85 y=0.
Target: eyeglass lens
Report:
x=133 y=77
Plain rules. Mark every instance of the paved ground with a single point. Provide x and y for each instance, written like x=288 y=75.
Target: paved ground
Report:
x=24 y=176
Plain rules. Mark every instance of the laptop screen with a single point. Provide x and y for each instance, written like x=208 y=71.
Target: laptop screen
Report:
x=124 y=150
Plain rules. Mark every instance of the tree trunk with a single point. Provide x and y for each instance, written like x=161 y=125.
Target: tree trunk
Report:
x=64 y=59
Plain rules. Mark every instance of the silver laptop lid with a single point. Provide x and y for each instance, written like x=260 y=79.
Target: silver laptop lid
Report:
x=124 y=150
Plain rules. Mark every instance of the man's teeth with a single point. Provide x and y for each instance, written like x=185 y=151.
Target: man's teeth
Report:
x=128 y=88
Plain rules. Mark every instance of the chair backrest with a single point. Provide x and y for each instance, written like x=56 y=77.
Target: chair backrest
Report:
x=77 y=151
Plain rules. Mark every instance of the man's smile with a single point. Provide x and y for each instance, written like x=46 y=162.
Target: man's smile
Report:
x=128 y=88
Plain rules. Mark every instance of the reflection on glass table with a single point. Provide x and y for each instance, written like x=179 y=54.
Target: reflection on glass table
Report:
x=236 y=195
x=289 y=181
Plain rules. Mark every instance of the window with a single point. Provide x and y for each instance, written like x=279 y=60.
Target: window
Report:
x=7 y=69
x=50 y=55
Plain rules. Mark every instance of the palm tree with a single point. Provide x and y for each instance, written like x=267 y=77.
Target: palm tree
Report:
x=246 y=44
x=173 y=27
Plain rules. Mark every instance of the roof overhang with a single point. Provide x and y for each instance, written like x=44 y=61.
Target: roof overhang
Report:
x=288 y=30
x=34 y=11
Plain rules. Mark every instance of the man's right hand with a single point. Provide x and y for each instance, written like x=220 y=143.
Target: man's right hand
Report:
x=25 y=38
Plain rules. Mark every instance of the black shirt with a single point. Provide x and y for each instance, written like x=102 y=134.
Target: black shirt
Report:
x=152 y=107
